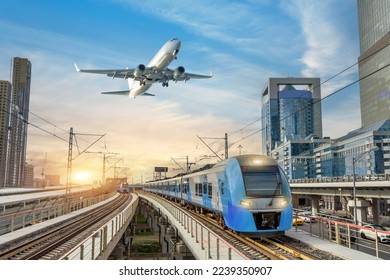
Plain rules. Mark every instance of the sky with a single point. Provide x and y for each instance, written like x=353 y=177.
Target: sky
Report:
x=243 y=43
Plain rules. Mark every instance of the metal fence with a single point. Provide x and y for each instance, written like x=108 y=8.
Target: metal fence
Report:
x=97 y=242
x=202 y=241
x=345 y=233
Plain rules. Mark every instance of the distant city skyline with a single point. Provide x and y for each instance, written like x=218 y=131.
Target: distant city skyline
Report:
x=242 y=43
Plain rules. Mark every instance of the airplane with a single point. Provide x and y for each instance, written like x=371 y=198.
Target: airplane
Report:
x=141 y=78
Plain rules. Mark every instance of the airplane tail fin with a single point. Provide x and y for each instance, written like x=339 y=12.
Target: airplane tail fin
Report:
x=121 y=92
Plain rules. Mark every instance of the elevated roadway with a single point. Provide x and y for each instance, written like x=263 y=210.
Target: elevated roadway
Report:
x=365 y=189
x=368 y=193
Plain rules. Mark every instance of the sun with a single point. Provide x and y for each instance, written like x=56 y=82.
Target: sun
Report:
x=82 y=177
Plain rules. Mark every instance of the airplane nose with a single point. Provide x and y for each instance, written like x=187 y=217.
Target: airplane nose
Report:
x=176 y=43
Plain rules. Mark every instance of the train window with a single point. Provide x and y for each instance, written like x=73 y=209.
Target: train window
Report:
x=198 y=189
x=264 y=181
x=204 y=188
x=210 y=190
x=186 y=187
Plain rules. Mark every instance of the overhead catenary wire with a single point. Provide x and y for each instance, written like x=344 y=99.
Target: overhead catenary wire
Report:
x=18 y=116
x=327 y=80
x=320 y=84
x=335 y=92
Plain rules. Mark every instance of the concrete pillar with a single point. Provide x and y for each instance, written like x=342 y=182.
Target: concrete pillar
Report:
x=361 y=209
x=315 y=203
x=167 y=235
x=375 y=210
x=295 y=200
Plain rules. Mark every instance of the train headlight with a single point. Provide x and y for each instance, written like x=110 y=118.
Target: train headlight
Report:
x=246 y=203
x=283 y=203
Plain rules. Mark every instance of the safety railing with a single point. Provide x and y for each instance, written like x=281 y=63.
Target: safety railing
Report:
x=14 y=221
x=97 y=243
x=345 y=233
x=202 y=241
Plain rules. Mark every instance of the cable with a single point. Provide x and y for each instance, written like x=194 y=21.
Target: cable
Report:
x=337 y=91
x=19 y=117
x=327 y=80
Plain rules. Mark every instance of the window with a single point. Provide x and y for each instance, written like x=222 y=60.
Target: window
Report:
x=210 y=190
x=263 y=182
x=198 y=189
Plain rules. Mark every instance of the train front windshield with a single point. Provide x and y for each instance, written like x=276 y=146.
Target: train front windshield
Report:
x=265 y=181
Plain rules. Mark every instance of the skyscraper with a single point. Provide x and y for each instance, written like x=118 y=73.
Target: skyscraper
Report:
x=290 y=113
x=5 y=105
x=374 y=60
x=20 y=102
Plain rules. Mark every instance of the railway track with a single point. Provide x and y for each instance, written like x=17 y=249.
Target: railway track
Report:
x=53 y=243
x=262 y=249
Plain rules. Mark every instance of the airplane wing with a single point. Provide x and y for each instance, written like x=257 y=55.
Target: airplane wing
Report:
x=173 y=75
x=114 y=73
x=197 y=76
x=125 y=92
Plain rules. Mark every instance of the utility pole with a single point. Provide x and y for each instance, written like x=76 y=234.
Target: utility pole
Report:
x=226 y=145
x=188 y=164
x=70 y=156
x=43 y=172
x=69 y=166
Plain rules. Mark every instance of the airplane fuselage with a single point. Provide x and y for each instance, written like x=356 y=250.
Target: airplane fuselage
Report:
x=141 y=77
x=159 y=62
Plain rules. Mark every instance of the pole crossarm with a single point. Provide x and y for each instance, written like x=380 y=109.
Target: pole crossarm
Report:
x=85 y=150
x=209 y=146
x=179 y=164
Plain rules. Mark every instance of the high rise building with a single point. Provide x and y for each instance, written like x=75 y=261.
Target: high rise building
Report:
x=374 y=60
x=28 y=175
x=290 y=113
x=20 y=102
x=5 y=105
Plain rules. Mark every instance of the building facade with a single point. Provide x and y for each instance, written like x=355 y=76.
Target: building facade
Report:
x=290 y=109
x=19 y=111
x=28 y=175
x=374 y=60
x=5 y=106
x=319 y=158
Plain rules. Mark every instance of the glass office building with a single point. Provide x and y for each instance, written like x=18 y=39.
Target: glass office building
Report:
x=318 y=158
x=374 y=60
x=291 y=109
x=18 y=123
x=5 y=105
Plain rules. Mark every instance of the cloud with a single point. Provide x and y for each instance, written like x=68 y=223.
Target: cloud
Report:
x=331 y=45
x=243 y=43
x=243 y=25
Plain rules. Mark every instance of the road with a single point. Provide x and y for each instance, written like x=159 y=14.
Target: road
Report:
x=318 y=229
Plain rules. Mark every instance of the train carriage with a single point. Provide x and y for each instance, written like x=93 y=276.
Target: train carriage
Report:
x=250 y=194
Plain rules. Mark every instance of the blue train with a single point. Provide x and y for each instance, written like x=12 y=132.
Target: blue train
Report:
x=249 y=194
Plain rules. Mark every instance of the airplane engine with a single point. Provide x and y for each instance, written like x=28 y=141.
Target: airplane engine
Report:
x=179 y=72
x=139 y=70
